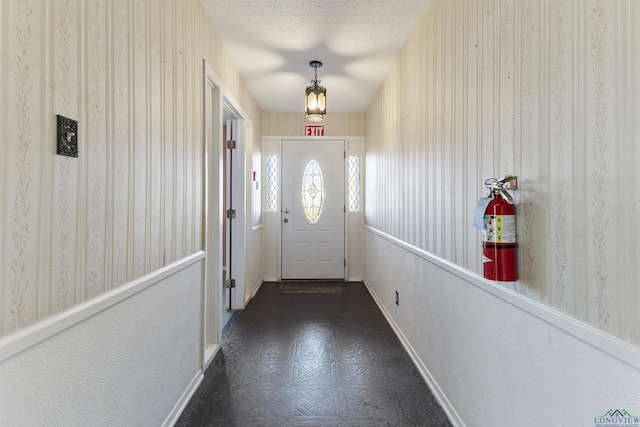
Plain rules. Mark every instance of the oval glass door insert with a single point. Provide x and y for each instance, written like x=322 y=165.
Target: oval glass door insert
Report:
x=312 y=192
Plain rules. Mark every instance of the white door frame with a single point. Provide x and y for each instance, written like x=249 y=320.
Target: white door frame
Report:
x=212 y=209
x=216 y=99
x=238 y=191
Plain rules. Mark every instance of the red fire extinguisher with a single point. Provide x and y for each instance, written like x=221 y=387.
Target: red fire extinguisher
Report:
x=499 y=244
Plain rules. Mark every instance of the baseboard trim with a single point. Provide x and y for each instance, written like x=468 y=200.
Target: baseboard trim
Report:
x=604 y=342
x=184 y=400
x=256 y=288
x=209 y=355
x=253 y=292
x=23 y=339
x=437 y=392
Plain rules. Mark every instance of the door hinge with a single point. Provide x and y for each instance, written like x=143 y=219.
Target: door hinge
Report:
x=231 y=213
x=231 y=283
x=231 y=144
x=345 y=263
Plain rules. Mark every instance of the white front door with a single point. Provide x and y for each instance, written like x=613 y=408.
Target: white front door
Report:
x=313 y=209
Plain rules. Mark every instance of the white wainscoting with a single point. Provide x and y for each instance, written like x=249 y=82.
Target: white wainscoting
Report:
x=492 y=356
x=131 y=356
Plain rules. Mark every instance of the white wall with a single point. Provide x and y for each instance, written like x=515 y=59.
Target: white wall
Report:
x=492 y=356
x=130 y=357
x=547 y=91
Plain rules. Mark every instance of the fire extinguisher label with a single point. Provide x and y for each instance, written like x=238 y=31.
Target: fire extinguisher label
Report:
x=499 y=229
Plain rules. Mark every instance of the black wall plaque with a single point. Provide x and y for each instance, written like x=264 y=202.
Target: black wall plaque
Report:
x=67 y=136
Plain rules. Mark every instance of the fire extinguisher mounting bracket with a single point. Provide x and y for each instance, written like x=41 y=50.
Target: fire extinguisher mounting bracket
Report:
x=511 y=185
x=509 y=182
x=496 y=186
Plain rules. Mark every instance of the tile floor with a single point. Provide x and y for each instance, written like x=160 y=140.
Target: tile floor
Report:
x=312 y=359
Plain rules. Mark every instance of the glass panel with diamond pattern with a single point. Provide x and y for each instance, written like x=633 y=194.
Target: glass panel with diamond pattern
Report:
x=312 y=192
x=354 y=183
x=271 y=192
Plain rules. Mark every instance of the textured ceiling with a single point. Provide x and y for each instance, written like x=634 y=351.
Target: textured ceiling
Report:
x=272 y=41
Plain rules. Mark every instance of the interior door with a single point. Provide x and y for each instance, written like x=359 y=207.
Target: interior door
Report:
x=313 y=209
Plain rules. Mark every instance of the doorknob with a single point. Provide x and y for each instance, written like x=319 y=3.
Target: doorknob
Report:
x=285 y=210
x=286 y=220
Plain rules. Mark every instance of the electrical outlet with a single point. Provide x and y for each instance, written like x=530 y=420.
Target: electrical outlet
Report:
x=397 y=298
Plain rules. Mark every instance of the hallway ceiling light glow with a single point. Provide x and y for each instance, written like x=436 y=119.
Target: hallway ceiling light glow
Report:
x=315 y=100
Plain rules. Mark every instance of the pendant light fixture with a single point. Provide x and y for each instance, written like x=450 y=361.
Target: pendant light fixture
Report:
x=315 y=97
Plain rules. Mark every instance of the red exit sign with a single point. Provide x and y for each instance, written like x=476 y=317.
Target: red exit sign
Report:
x=314 y=131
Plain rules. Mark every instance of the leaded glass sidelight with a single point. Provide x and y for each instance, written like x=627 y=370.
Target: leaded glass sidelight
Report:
x=312 y=191
x=354 y=183
x=271 y=192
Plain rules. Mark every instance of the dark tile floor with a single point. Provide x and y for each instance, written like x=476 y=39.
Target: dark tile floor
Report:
x=312 y=359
